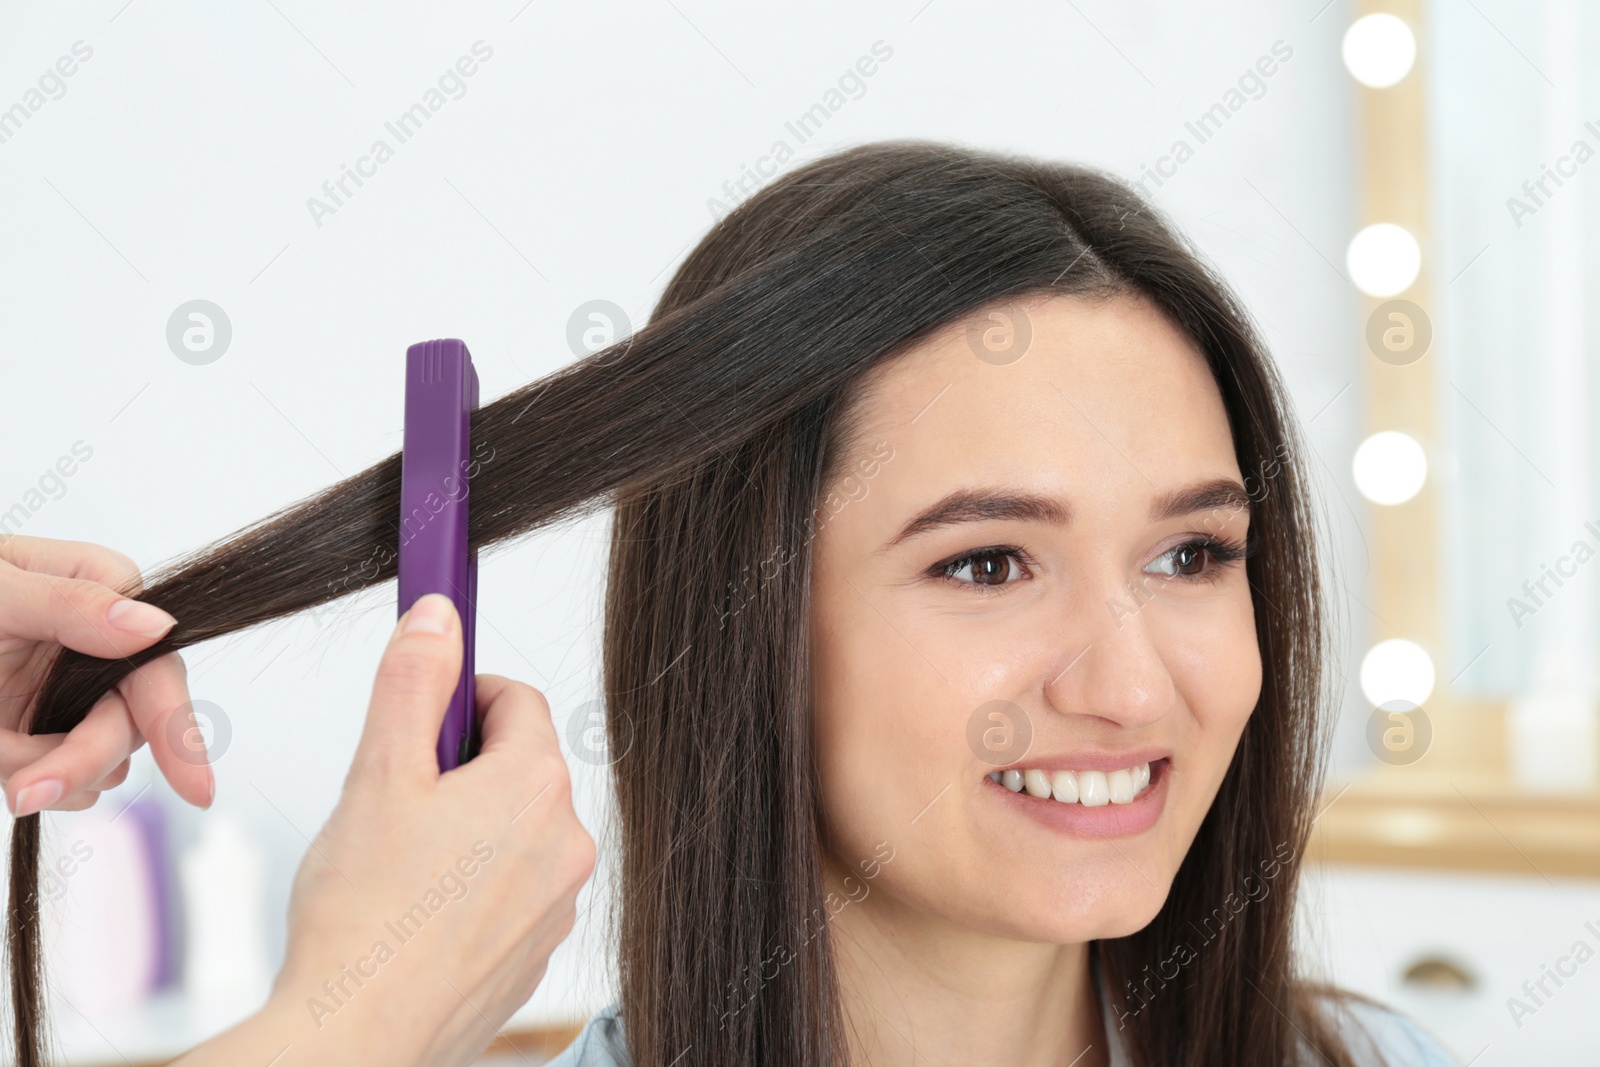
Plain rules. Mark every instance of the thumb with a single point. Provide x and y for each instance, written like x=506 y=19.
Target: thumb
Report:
x=80 y=614
x=419 y=671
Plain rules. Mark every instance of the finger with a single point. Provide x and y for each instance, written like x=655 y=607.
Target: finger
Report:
x=92 y=749
x=77 y=613
x=118 y=775
x=74 y=559
x=19 y=750
x=515 y=717
x=78 y=802
x=157 y=696
x=419 y=671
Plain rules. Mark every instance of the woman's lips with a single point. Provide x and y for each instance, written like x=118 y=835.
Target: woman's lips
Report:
x=1103 y=820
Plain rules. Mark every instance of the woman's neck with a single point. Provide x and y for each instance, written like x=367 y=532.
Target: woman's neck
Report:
x=918 y=990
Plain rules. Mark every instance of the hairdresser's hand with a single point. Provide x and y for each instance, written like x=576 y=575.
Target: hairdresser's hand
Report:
x=427 y=907
x=55 y=593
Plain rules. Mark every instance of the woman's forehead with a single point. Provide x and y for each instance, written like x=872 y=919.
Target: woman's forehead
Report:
x=1107 y=392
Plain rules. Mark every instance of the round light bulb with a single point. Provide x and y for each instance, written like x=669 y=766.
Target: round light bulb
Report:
x=1379 y=50
x=1383 y=259
x=1390 y=467
x=1397 y=670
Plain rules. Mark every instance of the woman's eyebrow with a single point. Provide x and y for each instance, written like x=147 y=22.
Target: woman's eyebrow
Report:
x=983 y=505
x=980 y=505
x=1214 y=495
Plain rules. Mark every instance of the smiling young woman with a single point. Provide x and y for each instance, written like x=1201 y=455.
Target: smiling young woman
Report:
x=963 y=648
x=1065 y=461
x=1092 y=530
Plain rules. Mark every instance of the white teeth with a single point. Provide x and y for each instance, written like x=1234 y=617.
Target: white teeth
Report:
x=1064 y=787
x=1092 y=789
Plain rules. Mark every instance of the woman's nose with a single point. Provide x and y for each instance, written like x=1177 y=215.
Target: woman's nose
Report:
x=1111 y=666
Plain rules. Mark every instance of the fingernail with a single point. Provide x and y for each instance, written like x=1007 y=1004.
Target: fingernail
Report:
x=430 y=614
x=38 y=796
x=211 y=787
x=137 y=617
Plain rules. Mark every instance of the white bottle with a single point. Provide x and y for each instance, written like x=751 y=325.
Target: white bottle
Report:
x=225 y=966
x=1554 y=729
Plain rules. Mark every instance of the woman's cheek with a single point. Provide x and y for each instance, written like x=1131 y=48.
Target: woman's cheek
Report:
x=1215 y=662
x=852 y=768
x=1241 y=674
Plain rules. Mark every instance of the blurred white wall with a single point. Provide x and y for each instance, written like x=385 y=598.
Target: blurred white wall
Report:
x=1518 y=336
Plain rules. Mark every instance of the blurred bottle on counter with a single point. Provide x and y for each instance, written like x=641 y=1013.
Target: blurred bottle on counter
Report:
x=225 y=967
x=105 y=882
x=1554 y=728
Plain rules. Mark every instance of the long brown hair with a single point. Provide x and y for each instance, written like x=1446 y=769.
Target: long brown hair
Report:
x=715 y=432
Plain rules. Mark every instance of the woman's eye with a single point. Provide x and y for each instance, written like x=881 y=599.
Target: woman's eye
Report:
x=1186 y=560
x=991 y=567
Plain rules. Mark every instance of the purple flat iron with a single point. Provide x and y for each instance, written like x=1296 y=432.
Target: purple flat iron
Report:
x=441 y=393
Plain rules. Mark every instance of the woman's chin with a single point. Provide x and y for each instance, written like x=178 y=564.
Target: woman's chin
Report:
x=1039 y=914
x=1097 y=925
